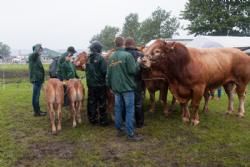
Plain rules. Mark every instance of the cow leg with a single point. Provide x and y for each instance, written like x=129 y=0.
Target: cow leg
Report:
x=73 y=112
x=172 y=104
x=164 y=95
x=79 y=105
x=241 y=92
x=152 y=101
x=59 y=115
x=185 y=112
x=230 y=94
x=206 y=97
x=198 y=93
x=52 y=117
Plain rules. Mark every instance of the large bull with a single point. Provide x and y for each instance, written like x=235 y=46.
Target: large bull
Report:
x=191 y=73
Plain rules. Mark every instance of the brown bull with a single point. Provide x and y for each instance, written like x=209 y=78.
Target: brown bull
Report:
x=54 y=97
x=75 y=93
x=191 y=73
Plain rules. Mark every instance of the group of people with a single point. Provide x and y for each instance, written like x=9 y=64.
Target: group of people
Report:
x=121 y=74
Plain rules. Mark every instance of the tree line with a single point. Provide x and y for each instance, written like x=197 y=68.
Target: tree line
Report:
x=206 y=17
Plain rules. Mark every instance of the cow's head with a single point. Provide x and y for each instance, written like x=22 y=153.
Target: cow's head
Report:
x=81 y=61
x=157 y=52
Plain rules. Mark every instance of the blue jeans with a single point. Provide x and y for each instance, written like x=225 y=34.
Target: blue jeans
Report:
x=219 y=92
x=125 y=100
x=36 y=95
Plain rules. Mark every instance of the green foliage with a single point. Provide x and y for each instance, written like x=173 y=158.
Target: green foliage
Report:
x=221 y=17
x=159 y=25
x=106 y=37
x=4 y=50
x=131 y=27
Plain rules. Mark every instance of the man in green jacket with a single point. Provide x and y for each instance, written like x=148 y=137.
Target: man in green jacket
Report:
x=66 y=69
x=36 y=74
x=122 y=69
x=96 y=69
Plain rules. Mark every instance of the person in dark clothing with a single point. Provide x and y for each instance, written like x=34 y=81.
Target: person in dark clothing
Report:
x=96 y=69
x=36 y=74
x=130 y=46
x=66 y=69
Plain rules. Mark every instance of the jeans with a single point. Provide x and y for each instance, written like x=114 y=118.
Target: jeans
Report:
x=139 y=114
x=128 y=98
x=219 y=92
x=36 y=95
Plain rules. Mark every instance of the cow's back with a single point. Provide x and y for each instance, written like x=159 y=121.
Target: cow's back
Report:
x=75 y=90
x=54 y=92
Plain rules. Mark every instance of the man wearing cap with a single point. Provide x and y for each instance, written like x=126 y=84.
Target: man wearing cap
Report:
x=130 y=47
x=66 y=69
x=96 y=69
x=36 y=74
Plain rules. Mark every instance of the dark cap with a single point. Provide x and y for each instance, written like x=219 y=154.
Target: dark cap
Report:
x=96 y=46
x=71 y=49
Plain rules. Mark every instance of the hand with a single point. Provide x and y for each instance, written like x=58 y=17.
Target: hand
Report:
x=139 y=60
x=84 y=66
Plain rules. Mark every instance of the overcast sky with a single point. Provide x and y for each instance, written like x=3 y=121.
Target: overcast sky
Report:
x=57 y=24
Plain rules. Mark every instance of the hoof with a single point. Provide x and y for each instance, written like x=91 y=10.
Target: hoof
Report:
x=185 y=119
x=240 y=115
x=229 y=113
x=79 y=121
x=54 y=133
x=195 y=122
x=74 y=125
x=151 y=111
x=59 y=128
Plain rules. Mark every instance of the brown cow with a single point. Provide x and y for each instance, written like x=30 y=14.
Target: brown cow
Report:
x=75 y=93
x=193 y=72
x=54 y=97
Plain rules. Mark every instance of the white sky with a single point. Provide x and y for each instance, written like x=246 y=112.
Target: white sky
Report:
x=56 y=24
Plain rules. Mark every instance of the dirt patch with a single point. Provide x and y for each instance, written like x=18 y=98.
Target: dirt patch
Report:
x=39 y=151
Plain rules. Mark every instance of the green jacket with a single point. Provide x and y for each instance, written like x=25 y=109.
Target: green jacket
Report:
x=96 y=69
x=122 y=69
x=65 y=69
x=36 y=70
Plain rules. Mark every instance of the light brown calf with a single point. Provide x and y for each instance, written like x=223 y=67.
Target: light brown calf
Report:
x=75 y=93
x=54 y=97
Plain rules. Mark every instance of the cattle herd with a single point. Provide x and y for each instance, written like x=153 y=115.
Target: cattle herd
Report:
x=189 y=73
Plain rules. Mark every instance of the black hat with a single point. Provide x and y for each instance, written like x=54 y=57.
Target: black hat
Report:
x=71 y=49
x=96 y=46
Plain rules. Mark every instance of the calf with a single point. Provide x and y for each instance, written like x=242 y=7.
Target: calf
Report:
x=75 y=93
x=54 y=97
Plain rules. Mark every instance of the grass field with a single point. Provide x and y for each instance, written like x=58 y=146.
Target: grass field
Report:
x=219 y=140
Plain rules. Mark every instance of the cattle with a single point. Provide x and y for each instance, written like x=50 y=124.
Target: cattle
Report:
x=54 y=97
x=75 y=93
x=192 y=72
x=154 y=80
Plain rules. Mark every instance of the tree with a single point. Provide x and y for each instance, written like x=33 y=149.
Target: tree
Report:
x=4 y=50
x=221 y=17
x=159 y=25
x=106 y=37
x=131 y=27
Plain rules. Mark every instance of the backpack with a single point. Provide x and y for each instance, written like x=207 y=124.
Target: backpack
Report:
x=53 y=68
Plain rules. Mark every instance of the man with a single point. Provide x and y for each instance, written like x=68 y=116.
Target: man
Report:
x=66 y=69
x=36 y=73
x=130 y=47
x=96 y=69
x=121 y=72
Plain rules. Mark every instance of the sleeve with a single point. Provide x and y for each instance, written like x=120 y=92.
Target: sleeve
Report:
x=103 y=66
x=132 y=65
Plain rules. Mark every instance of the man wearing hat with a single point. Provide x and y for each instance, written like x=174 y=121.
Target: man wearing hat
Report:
x=36 y=74
x=96 y=69
x=66 y=69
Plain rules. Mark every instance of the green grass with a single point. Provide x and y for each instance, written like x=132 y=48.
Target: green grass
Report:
x=219 y=140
